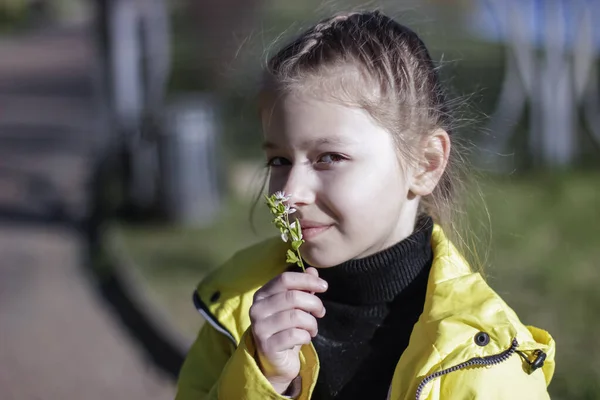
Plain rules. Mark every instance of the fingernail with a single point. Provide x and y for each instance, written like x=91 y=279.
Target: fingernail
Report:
x=323 y=284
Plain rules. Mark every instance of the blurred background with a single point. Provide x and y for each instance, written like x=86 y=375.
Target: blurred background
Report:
x=130 y=159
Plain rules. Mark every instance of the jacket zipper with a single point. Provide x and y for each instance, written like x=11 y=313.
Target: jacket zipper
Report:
x=476 y=361
x=211 y=319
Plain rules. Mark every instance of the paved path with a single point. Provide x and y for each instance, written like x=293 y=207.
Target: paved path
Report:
x=57 y=339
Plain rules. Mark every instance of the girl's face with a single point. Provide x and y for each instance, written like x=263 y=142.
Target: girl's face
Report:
x=342 y=171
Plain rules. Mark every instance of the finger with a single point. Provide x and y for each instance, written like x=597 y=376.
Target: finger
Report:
x=285 y=320
x=285 y=301
x=288 y=339
x=291 y=281
x=312 y=271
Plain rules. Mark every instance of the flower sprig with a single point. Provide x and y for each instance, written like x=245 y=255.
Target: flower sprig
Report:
x=281 y=210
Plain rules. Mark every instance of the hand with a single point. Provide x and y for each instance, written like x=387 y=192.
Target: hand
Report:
x=283 y=319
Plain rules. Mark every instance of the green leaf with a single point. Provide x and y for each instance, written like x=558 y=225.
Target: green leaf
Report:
x=280 y=208
x=270 y=201
x=296 y=244
x=298 y=230
x=294 y=235
x=291 y=257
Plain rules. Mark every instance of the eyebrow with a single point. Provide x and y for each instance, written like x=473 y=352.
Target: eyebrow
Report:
x=269 y=145
x=317 y=142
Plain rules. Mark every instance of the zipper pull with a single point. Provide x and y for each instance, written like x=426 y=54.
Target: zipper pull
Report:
x=537 y=363
x=540 y=357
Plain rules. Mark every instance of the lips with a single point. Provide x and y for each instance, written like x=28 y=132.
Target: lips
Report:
x=307 y=224
x=311 y=229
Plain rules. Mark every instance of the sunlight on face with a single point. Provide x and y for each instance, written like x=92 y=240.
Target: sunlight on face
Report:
x=342 y=170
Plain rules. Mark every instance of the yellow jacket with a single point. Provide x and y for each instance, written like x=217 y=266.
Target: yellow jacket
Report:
x=467 y=344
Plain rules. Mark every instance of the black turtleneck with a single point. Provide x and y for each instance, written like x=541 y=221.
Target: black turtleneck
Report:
x=372 y=305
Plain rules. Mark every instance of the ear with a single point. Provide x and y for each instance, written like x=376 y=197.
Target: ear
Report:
x=435 y=151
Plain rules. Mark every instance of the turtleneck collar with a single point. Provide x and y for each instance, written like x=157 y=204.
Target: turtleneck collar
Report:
x=380 y=277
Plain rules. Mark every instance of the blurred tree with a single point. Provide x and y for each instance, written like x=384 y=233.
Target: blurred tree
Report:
x=13 y=13
x=221 y=25
x=547 y=42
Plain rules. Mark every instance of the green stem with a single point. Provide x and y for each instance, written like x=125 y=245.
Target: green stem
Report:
x=300 y=262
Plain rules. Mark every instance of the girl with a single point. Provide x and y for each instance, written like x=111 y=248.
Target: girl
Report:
x=357 y=132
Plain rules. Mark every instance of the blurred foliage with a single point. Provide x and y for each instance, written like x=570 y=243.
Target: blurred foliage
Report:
x=18 y=16
x=543 y=260
x=13 y=14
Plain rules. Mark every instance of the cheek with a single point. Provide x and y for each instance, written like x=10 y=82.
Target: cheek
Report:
x=366 y=192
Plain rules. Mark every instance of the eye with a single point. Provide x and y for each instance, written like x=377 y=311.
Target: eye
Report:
x=330 y=158
x=278 y=162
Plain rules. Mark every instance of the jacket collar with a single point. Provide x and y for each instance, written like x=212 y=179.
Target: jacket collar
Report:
x=459 y=306
x=455 y=292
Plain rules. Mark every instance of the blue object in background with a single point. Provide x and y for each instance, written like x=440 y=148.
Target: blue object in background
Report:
x=493 y=20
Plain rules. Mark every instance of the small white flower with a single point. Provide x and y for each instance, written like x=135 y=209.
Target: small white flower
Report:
x=281 y=197
x=281 y=211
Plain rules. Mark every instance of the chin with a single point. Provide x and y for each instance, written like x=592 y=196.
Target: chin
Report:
x=321 y=258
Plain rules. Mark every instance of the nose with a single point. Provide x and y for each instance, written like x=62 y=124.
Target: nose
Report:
x=300 y=186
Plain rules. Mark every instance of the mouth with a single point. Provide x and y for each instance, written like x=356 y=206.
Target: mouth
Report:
x=311 y=229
